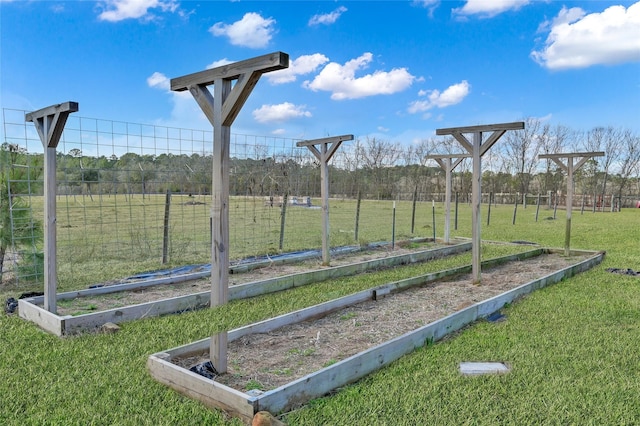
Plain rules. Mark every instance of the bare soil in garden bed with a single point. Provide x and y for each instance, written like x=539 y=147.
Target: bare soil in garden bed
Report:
x=102 y=302
x=268 y=360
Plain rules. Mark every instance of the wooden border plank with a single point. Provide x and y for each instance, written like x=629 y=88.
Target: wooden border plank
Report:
x=209 y=392
x=157 y=308
x=45 y=319
x=92 y=320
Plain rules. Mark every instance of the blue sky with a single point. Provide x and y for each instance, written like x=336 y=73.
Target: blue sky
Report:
x=394 y=70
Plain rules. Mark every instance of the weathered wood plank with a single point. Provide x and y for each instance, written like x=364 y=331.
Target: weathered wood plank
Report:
x=572 y=154
x=209 y=392
x=238 y=96
x=516 y=125
x=257 y=288
x=270 y=62
x=50 y=121
x=200 y=299
x=46 y=320
x=315 y=311
x=88 y=321
x=128 y=286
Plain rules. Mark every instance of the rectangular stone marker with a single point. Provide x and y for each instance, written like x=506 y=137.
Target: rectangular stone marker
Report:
x=477 y=368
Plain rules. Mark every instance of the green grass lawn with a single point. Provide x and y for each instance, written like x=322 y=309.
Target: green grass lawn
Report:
x=110 y=237
x=572 y=347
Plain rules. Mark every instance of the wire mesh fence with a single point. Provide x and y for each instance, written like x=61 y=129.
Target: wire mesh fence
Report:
x=132 y=197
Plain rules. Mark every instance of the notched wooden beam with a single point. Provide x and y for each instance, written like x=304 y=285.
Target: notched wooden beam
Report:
x=516 y=125
x=261 y=64
x=50 y=121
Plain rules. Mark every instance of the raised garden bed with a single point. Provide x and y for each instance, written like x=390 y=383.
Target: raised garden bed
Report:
x=167 y=295
x=281 y=363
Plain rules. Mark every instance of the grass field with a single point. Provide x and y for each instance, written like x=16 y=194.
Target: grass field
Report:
x=109 y=237
x=573 y=349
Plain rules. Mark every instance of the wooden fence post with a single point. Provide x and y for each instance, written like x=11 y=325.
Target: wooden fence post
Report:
x=165 y=236
x=283 y=214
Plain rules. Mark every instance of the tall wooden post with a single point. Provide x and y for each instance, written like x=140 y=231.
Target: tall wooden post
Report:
x=448 y=162
x=221 y=110
x=569 y=168
x=49 y=123
x=477 y=149
x=327 y=147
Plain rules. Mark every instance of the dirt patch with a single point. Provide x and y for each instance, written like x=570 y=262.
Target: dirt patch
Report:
x=83 y=305
x=269 y=360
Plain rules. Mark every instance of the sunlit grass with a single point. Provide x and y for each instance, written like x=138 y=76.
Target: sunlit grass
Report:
x=111 y=236
x=572 y=348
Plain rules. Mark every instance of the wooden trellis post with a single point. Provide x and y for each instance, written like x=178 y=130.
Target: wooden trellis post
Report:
x=49 y=123
x=477 y=149
x=327 y=147
x=448 y=162
x=569 y=169
x=221 y=109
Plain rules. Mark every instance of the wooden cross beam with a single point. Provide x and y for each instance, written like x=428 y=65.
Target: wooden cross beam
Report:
x=49 y=123
x=327 y=147
x=477 y=149
x=569 y=168
x=247 y=73
x=448 y=162
x=221 y=109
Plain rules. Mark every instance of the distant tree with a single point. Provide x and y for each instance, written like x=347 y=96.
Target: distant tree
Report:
x=607 y=139
x=521 y=149
x=629 y=161
x=554 y=140
x=377 y=156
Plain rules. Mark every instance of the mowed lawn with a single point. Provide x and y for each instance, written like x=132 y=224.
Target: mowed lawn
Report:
x=573 y=349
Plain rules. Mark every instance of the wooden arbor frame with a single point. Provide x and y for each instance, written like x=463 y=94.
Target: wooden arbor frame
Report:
x=448 y=162
x=327 y=147
x=221 y=109
x=569 y=168
x=477 y=149
x=49 y=123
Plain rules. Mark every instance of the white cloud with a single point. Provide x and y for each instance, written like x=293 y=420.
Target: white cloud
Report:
x=328 y=18
x=280 y=112
x=489 y=8
x=342 y=82
x=185 y=112
x=435 y=99
x=219 y=63
x=302 y=65
x=159 y=81
x=431 y=5
x=251 y=31
x=119 y=10
x=578 y=40
x=426 y=3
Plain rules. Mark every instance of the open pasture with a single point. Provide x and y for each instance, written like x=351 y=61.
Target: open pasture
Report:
x=103 y=238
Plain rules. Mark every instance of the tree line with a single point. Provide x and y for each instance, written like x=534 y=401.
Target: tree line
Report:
x=370 y=168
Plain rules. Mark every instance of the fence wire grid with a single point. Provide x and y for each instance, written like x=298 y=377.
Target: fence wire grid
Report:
x=132 y=197
x=135 y=197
